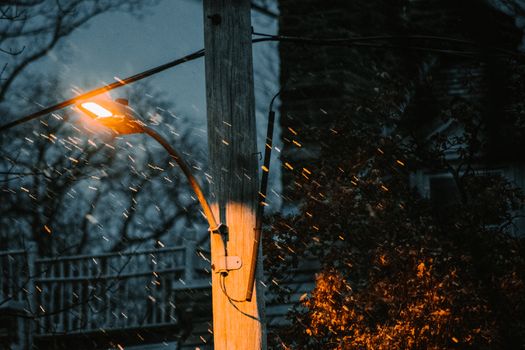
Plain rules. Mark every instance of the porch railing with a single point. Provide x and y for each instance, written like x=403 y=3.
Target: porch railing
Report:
x=103 y=292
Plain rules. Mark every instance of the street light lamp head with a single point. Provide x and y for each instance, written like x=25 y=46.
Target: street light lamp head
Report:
x=115 y=115
x=95 y=109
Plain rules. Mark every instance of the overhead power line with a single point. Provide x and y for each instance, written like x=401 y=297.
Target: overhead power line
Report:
x=377 y=41
x=105 y=88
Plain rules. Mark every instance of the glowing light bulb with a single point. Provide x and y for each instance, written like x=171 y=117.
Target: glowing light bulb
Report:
x=96 y=109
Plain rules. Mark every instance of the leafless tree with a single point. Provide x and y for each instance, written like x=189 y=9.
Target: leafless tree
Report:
x=68 y=190
x=29 y=29
x=59 y=186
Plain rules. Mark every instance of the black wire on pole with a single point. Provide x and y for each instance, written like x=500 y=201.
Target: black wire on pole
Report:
x=366 y=41
x=268 y=145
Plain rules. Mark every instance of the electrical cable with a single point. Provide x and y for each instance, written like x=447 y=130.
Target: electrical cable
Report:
x=354 y=41
x=262 y=197
x=233 y=301
x=121 y=82
x=223 y=276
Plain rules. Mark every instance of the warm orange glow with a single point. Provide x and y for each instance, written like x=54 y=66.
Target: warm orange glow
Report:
x=111 y=114
x=96 y=109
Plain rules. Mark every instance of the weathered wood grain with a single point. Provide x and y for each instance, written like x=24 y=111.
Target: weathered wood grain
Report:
x=233 y=156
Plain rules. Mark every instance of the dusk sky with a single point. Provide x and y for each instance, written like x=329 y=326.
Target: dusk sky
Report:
x=120 y=45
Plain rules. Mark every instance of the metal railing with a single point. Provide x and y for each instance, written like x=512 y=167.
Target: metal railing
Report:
x=103 y=292
x=14 y=278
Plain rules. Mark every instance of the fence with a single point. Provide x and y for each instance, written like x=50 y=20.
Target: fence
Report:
x=103 y=292
x=113 y=292
x=15 y=286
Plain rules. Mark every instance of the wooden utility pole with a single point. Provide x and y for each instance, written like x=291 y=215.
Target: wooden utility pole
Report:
x=237 y=325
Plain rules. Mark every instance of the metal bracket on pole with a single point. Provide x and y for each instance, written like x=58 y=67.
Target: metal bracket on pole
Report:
x=221 y=229
x=226 y=263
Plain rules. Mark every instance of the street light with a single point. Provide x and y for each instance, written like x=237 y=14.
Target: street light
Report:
x=118 y=116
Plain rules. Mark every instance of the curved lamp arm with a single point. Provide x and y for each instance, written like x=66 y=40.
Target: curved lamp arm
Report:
x=214 y=227
x=117 y=116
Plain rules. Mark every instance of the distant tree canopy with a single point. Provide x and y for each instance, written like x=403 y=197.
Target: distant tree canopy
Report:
x=64 y=186
x=72 y=189
x=398 y=270
x=30 y=29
